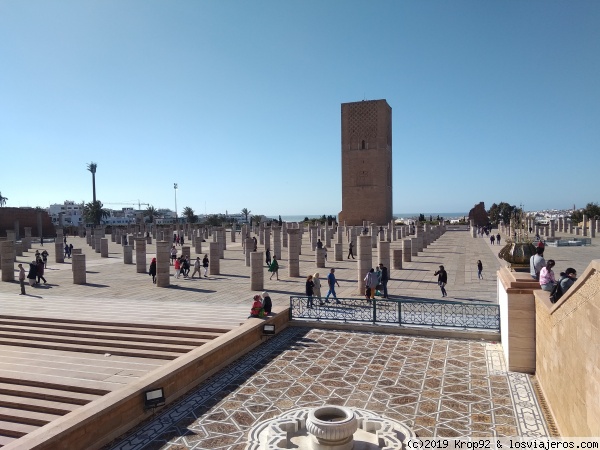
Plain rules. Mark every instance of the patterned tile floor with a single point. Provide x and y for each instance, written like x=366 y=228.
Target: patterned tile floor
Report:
x=439 y=387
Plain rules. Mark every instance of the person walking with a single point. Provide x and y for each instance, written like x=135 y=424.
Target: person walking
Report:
x=350 y=250
x=268 y=257
x=173 y=254
x=310 y=290
x=177 y=267
x=45 y=255
x=384 y=279
x=31 y=276
x=197 y=265
x=479 y=270
x=40 y=271
x=498 y=239
x=152 y=270
x=205 y=264
x=331 y=281
x=70 y=250
x=370 y=285
x=22 y=279
x=274 y=268
x=317 y=286
x=492 y=239
x=442 y=280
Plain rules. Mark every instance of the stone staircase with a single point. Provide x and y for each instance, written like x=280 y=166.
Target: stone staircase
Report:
x=49 y=367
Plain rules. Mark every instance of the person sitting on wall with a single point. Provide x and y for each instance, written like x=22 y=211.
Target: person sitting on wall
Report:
x=568 y=277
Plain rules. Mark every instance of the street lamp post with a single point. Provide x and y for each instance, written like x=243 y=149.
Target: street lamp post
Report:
x=175 y=187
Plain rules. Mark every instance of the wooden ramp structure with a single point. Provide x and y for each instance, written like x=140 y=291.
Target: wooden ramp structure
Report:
x=59 y=354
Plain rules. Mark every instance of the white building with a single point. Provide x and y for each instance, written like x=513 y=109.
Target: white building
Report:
x=70 y=213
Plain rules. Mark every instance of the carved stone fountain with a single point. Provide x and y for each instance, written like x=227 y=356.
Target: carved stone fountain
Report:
x=329 y=427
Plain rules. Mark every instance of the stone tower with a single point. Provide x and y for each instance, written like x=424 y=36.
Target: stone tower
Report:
x=366 y=162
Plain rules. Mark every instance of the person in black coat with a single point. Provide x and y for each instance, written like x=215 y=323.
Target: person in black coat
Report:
x=152 y=270
x=267 y=303
x=442 y=280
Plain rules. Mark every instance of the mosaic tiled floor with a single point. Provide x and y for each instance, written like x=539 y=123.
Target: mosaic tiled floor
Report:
x=439 y=387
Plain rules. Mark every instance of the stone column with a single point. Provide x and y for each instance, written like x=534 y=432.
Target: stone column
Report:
x=233 y=233
x=340 y=234
x=59 y=250
x=374 y=236
x=261 y=234
x=118 y=238
x=186 y=250
x=383 y=253
x=113 y=237
x=249 y=246
x=552 y=223
x=327 y=236
x=7 y=256
x=268 y=239
x=27 y=239
x=593 y=227
x=257 y=278
x=365 y=261
x=397 y=259
x=148 y=239
x=414 y=246
x=78 y=266
x=18 y=248
x=585 y=225
x=284 y=235
x=214 y=266
x=419 y=242
x=277 y=242
x=407 y=250
x=97 y=243
x=140 y=255
x=339 y=251
x=198 y=245
x=163 y=268
x=127 y=254
x=293 y=252
x=104 y=248
x=313 y=238
x=473 y=228
x=320 y=257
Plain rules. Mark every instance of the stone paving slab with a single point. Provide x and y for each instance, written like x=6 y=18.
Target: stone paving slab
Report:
x=438 y=387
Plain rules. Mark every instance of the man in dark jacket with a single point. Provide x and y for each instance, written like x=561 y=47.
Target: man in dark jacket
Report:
x=442 y=280
x=384 y=279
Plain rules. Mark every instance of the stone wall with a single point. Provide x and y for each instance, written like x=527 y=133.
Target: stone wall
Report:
x=27 y=217
x=568 y=354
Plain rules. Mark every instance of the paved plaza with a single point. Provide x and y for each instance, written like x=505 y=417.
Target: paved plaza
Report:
x=439 y=387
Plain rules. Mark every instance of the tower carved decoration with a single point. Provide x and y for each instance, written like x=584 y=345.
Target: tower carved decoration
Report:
x=366 y=162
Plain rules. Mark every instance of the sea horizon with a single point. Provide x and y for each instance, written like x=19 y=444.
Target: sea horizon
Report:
x=445 y=215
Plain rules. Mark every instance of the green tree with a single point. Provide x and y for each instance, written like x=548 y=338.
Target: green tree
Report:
x=92 y=168
x=2 y=200
x=246 y=212
x=592 y=210
x=502 y=212
x=421 y=217
x=93 y=212
x=189 y=214
x=150 y=213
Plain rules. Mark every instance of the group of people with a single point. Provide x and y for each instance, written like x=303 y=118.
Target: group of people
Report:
x=376 y=279
x=36 y=271
x=313 y=288
x=68 y=248
x=541 y=271
x=182 y=265
x=177 y=240
x=261 y=305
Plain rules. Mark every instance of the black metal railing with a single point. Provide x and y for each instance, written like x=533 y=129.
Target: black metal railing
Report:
x=411 y=312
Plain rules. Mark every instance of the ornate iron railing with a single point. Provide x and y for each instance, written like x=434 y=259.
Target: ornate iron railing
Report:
x=429 y=313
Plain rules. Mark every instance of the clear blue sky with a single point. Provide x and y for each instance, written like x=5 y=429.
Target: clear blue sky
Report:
x=239 y=101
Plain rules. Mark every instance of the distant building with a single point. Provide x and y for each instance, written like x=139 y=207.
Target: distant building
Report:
x=66 y=214
x=366 y=162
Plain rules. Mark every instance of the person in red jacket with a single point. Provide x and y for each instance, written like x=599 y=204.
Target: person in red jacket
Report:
x=257 y=308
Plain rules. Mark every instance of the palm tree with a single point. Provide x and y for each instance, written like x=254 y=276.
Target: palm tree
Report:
x=92 y=168
x=189 y=214
x=151 y=211
x=94 y=212
x=246 y=213
x=2 y=200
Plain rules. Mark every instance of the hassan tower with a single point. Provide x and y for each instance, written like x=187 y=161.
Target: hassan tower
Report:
x=366 y=162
